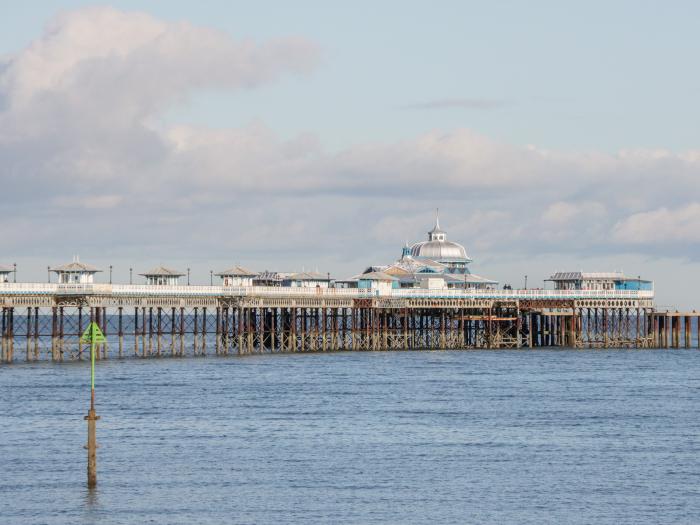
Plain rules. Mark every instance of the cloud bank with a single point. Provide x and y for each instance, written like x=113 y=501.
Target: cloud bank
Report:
x=87 y=164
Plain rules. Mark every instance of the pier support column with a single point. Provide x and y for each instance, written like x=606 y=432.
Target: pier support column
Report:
x=3 y=335
x=150 y=331
x=204 y=331
x=120 y=330
x=181 y=353
x=29 y=333
x=159 y=330
x=195 y=330
x=54 y=333
x=218 y=349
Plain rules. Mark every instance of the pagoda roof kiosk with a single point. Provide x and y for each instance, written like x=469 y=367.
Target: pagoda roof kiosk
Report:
x=75 y=272
x=162 y=276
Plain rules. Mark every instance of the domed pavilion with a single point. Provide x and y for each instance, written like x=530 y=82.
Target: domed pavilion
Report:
x=436 y=262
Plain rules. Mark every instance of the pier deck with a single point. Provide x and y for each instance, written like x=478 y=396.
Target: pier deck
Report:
x=44 y=321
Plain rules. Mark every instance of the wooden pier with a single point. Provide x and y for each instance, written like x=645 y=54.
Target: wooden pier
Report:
x=45 y=321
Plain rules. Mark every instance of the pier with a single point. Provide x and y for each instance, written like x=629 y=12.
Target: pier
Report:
x=45 y=321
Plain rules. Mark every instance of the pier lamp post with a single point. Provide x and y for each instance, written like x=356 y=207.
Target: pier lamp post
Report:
x=131 y=275
x=14 y=271
x=526 y=282
x=48 y=273
x=188 y=276
x=110 y=274
x=211 y=277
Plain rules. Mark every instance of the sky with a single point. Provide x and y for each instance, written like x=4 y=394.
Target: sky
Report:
x=552 y=136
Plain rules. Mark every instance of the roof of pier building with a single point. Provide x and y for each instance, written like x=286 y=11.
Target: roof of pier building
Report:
x=591 y=276
x=307 y=276
x=267 y=275
x=438 y=248
x=376 y=276
x=75 y=267
x=6 y=269
x=162 y=271
x=236 y=271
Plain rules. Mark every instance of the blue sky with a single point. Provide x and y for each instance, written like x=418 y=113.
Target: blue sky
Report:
x=553 y=135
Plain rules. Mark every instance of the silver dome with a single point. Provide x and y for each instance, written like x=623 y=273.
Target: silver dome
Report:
x=439 y=250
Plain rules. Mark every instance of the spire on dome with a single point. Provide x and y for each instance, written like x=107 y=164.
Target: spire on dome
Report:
x=436 y=234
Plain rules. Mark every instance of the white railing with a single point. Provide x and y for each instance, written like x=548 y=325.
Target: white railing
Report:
x=270 y=291
x=27 y=288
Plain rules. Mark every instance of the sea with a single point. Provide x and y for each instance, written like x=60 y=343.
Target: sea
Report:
x=475 y=436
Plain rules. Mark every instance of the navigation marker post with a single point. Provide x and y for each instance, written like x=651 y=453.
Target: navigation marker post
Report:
x=92 y=335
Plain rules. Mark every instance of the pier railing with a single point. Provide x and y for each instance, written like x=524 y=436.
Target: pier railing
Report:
x=270 y=291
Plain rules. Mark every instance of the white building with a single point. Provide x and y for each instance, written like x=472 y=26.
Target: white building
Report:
x=432 y=282
x=306 y=280
x=162 y=276
x=75 y=272
x=380 y=281
x=5 y=272
x=598 y=281
x=237 y=276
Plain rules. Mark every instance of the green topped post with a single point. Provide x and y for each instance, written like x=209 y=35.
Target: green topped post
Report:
x=92 y=335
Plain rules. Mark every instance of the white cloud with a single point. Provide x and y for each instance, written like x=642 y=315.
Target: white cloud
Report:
x=661 y=226
x=140 y=62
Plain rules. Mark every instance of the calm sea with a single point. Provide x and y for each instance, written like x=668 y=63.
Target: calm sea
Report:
x=545 y=436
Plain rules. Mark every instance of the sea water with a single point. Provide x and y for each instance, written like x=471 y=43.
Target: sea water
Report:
x=499 y=436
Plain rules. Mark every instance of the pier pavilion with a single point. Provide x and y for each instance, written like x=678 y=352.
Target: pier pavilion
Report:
x=237 y=276
x=162 y=276
x=435 y=263
x=598 y=281
x=75 y=272
x=380 y=281
x=306 y=280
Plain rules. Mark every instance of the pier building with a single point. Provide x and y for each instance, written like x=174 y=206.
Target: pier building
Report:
x=237 y=276
x=162 y=276
x=268 y=278
x=435 y=263
x=380 y=281
x=5 y=272
x=598 y=281
x=306 y=280
x=75 y=272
